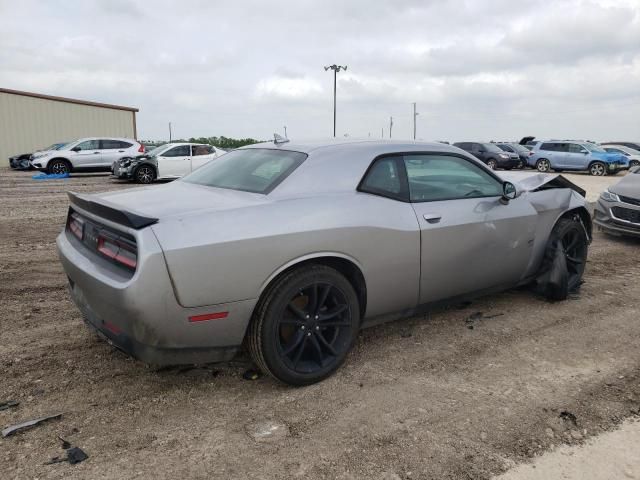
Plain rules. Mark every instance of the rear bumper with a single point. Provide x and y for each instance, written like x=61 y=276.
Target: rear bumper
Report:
x=141 y=316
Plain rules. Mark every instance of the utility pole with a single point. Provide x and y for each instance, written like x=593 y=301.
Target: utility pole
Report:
x=415 y=114
x=285 y=132
x=382 y=133
x=336 y=69
x=169 y=132
x=390 y=126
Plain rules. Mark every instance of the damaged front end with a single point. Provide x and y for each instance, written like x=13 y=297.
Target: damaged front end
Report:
x=125 y=167
x=564 y=231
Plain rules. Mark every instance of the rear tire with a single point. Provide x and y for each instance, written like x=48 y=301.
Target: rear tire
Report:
x=304 y=325
x=633 y=163
x=543 y=165
x=492 y=164
x=598 y=169
x=145 y=175
x=58 y=167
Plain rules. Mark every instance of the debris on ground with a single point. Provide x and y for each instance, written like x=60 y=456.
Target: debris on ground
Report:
x=251 y=374
x=28 y=424
x=50 y=176
x=74 y=455
x=6 y=405
x=267 y=431
x=569 y=417
x=406 y=333
x=471 y=319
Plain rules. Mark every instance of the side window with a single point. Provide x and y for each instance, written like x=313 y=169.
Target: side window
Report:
x=383 y=178
x=114 y=144
x=179 y=151
x=201 y=149
x=444 y=177
x=89 y=145
x=575 y=148
x=549 y=147
x=563 y=147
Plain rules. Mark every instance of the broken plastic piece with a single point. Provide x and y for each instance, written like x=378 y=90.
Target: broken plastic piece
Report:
x=8 y=404
x=28 y=424
x=251 y=375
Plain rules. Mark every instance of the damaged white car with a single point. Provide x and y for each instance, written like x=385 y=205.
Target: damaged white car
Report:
x=290 y=249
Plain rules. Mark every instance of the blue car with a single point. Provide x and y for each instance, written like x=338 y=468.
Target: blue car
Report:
x=577 y=156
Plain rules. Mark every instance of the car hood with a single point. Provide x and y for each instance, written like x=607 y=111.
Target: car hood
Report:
x=176 y=199
x=629 y=186
x=532 y=182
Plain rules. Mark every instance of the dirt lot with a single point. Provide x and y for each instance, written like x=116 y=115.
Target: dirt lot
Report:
x=433 y=397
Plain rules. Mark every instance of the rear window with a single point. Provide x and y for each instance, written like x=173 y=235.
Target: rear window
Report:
x=257 y=170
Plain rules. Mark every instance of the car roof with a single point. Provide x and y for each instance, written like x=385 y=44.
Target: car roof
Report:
x=105 y=138
x=308 y=146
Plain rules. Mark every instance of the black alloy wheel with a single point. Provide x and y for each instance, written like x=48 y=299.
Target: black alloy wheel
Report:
x=145 y=174
x=305 y=325
x=58 y=167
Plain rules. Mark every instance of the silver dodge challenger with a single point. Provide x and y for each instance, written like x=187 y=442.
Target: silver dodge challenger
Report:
x=290 y=249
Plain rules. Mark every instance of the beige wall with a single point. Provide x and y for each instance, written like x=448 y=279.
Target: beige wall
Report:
x=28 y=123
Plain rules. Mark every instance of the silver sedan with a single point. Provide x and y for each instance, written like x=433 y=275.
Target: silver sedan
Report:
x=290 y=249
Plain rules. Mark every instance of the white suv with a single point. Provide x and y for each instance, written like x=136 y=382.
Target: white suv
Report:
x=86 y=154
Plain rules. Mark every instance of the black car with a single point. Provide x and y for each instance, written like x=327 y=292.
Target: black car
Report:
x=520 y=150
x=490 y=154
x=22 y=161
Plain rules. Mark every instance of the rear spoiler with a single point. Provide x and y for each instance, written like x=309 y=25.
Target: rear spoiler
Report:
x=112 y=213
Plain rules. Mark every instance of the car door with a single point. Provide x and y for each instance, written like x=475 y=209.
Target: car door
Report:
x=573 y=156
x=174 y=162
x=86 y=154
x=113 y=150
x=471 y=239
x=201 y=154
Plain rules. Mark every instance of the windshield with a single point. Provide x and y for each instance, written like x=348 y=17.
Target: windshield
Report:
x=155 y=151
x=257 y=170
x=56 y=146
x=594 y=148
x=491 y=147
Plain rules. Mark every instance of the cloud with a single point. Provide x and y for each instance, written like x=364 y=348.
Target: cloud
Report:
x=477 y=69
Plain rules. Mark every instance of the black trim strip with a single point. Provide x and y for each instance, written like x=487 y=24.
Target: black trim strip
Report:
x=123 y=217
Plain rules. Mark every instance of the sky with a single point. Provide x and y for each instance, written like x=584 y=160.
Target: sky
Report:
x=477 y=69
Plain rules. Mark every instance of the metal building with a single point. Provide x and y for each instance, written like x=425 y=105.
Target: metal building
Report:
x=31 y=121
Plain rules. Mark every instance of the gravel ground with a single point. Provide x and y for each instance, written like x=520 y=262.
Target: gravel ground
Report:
x=432 y=397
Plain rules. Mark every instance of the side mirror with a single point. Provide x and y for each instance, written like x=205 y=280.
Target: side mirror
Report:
x=584 y=152
x=76 y=149
x=509 y=191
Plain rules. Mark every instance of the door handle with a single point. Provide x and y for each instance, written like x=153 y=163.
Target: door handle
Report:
x=432 y=217
x=120 y=151
x=95 y=153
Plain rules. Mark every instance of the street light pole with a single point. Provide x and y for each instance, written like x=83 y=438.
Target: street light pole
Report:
x=285 y=132
x=336 y=69
x=415 y=115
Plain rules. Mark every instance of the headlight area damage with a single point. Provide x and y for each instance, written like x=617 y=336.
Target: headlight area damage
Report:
x=565 y=254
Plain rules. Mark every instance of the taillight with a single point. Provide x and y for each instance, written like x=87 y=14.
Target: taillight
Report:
x=118 y=250
x=141 y=148
x=75 y=225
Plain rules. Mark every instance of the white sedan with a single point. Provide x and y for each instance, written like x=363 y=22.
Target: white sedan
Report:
x=166 y=162
x=630 y=153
